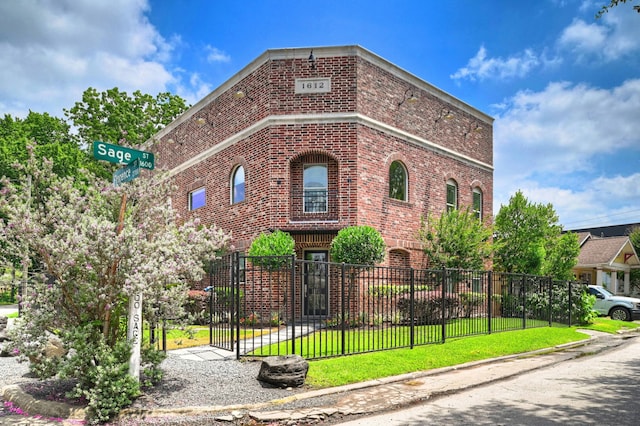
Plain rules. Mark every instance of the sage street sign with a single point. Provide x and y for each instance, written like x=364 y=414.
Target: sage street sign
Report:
x=121 y=155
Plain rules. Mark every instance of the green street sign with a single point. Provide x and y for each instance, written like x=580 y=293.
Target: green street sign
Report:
x=127 y=173
x=121 y=155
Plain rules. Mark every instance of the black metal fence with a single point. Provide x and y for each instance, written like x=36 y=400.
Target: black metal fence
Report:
x=281 y=305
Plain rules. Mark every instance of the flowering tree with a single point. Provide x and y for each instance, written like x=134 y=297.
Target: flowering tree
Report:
x=96 y=246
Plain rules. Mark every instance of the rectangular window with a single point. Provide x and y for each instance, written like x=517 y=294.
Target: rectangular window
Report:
x=452 y=196
x=197 y=198
x=477 y=204
x=315 y=182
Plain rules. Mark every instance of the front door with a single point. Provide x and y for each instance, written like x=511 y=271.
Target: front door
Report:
x=316 y=280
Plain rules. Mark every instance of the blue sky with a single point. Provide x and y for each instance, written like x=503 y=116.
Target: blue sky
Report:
x=563 y=87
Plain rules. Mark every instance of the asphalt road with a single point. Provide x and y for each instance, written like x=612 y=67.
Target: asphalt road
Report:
x=601 y=389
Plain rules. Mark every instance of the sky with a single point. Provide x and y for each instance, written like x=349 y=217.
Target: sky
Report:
x=562 y=86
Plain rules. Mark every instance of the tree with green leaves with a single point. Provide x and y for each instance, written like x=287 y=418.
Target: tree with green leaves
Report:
x=613 y=3
x=358 y=245
x=457 y=239
x=51 y=138
x=528 y=239
x=561 y=256
x=269 y=249
x=116 y=117
x=273 y=251
x=96 y=246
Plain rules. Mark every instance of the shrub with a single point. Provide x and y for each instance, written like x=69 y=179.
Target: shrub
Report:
x=250 y=320
x=428 y=309
x=197 y=307
x=102 y=372
x=358 y=245
x=581 y=307
x=269 y=250
x=470 y=301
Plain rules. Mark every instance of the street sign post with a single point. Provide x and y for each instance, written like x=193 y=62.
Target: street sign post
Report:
x=121 y=155
x=127 y=173
x=133 y=160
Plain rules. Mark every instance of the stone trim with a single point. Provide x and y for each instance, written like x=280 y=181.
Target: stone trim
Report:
x=283 y=120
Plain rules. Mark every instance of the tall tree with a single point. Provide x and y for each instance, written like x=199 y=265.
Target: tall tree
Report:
x=51 y=138
x=561 y=256
x=457 y=239
x=528 y=239
x=97 y=246
x=115 y=117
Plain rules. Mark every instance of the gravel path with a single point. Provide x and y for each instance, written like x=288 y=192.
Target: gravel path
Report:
x=205 y=383
x=186 y=383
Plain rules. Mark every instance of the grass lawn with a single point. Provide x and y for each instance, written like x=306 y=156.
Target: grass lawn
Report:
x=190 y=336
x=328 y=342
x=358 y=368
x=608 y=325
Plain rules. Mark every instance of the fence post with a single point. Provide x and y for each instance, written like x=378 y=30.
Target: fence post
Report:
x=570 y=303
x=550 y=281
x=443 y=305
x=342 y=325
x=235 y=290
x=211 y=263
x=524 y=301
x=412 y=299
x=292 y=303
x=489 y=301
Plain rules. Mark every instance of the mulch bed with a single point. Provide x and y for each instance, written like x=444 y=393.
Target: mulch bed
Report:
x=53 y=390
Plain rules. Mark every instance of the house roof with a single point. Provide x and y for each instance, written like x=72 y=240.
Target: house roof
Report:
x=605 y=251
x=608 y=231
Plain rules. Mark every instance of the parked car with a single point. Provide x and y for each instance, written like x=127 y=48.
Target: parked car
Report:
x=617 y=307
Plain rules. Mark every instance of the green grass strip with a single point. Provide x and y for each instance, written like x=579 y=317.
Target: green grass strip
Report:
x=358 y=368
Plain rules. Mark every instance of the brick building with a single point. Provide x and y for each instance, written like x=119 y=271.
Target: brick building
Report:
x=312 y=142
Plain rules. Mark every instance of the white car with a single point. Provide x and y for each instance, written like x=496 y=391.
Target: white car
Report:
x=617 y=307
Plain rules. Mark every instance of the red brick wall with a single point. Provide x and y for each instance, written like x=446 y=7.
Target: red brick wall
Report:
x=359 y=155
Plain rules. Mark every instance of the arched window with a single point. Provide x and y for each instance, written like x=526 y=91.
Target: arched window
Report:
x=315 y=183
x=452 y=195
x=237 y=185
x=398 y=181
x=477 y=203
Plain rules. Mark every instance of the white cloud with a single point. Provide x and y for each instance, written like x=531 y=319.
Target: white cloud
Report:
x=561 y=128
x=541 y=138
x=584 y=37
x=621 y=187
x=576 y=208
x=481 y=67
x=195 y=90
x=216 y=55
x=53 y=51
x=610 y=38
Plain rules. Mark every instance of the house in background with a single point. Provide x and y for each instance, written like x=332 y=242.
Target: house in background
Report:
x=602 y=259
x=609 y=230
x=312 y=141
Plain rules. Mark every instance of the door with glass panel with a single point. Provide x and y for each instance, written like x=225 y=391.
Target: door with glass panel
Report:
x=316 y=283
